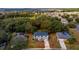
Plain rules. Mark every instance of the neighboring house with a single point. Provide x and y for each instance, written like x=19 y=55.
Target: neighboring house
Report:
x=62 y=35
x=41 y=35
x=77 y=27
x=64 y=21
x=19 y=39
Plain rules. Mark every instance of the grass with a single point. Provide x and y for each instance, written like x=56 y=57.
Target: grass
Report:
x=74 y=46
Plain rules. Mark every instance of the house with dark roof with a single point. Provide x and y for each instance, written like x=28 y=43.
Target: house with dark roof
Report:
x=41 y=35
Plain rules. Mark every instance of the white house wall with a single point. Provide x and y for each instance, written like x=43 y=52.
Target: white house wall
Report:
x=39 y=37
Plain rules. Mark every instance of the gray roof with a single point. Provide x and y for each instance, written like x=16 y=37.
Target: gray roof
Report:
x=18 y=39
x=63 y=35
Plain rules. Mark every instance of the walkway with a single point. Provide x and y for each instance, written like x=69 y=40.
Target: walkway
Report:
x=62 y=44
x=46 y=43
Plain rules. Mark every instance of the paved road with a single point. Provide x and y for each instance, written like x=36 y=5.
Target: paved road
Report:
x=62 y=44
x=46 y=43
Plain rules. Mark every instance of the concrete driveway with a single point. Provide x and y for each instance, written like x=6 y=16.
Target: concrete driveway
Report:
x=46 y=43
x=62 y=44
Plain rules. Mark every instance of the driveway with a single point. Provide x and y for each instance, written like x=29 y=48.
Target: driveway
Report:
x=46 y=43
x=62 y=44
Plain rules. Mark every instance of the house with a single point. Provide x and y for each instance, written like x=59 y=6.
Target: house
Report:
x=41 y=35
x=19 y=39
x=64 y=21
x=62 y=35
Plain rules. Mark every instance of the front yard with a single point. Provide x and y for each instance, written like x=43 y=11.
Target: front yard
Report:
x=74 y=46
x=35 y=43
x=40 y=44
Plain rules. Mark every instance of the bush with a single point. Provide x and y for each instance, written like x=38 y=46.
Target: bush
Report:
x=70 y=19
x=72 y=25
x=18 y=42
x=3 y=36
x=56 y=26
x=77 y=20
x=72 y=40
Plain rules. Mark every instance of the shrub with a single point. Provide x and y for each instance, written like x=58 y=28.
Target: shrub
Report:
x=72 y=40
x=72 y=25
x=77 y=20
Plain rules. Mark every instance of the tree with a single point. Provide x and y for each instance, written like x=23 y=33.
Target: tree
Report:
x=37 y=23
x=8 y=25
x=2 y=16
x=18 y=42
x=56 y=26
x=71 y=40
x=69 y=19
x=72 y=25
x=55 y=18
x=43 y=23
x=28 y=27
x=3 y=38
x=77 y=20
x=14 y=24
x=65 y=16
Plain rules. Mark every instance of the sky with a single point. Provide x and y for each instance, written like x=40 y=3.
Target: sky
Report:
x=39 y=3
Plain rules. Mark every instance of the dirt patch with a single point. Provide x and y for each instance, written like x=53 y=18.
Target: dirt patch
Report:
x=53 y=41
x=35 y=43
x=39 y=44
